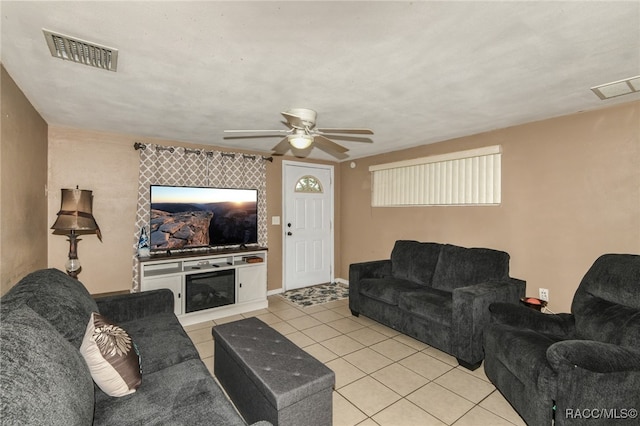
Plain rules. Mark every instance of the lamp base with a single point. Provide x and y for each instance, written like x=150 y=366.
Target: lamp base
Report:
x=73 y=267
x=73 y=264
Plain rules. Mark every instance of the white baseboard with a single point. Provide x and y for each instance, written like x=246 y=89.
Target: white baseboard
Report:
x=342 y=281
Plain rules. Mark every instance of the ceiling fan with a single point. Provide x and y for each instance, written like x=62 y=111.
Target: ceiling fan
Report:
x=301 y=133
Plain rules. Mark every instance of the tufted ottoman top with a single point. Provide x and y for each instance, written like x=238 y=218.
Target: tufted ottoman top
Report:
x=283 y=372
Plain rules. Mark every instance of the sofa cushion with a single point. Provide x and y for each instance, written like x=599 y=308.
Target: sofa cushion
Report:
x=112 y=357
x=607 y=303
x=428 y=303
x=161 y=341
x=183 y=394
x=387 y=290
x=58 y=298
x=608 y=322
x=523 y=353
x=460 y=267
x=43 y=378
x=414 y=261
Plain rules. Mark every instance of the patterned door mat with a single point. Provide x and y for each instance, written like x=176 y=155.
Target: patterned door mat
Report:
x=317 y=294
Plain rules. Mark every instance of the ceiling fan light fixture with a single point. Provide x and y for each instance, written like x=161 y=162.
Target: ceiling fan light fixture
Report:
x=301 y=133
x=300 y=141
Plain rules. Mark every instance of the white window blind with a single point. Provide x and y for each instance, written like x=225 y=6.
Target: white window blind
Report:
x=471 y=177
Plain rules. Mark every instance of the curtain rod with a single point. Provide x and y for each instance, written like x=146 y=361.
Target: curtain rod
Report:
x=143 y=146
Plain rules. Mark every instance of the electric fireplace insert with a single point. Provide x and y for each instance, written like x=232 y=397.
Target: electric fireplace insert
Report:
x=210 y=290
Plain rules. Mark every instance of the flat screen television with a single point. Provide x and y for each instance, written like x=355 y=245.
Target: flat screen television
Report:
x=185 y=217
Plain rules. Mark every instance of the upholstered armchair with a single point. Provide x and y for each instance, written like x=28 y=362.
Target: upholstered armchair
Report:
x=578 y=368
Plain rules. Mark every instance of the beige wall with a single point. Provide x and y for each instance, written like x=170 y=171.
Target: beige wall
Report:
x=23 y=180
x=571 y=192
x=107 y=164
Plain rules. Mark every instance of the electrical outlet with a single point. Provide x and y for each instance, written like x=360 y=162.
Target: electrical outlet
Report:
x=544 y=293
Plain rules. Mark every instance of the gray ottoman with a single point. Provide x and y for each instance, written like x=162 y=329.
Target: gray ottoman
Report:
x=269 y=378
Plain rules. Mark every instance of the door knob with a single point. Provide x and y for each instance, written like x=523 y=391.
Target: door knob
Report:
x=289 y=233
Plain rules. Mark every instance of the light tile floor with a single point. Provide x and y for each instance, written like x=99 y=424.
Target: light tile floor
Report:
x=382 y=377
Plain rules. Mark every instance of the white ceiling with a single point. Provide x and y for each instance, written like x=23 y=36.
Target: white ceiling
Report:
x=414 y=72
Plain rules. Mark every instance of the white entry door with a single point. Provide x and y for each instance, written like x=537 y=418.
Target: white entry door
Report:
x=308 y=224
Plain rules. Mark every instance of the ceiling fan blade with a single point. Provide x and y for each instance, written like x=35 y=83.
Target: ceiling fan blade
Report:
x=251 y=137
x=293 y=120
x=282 y=147
x=338 y=155
x=257 y=131
x=350 y=138
x=322 y=142
x=349 y=131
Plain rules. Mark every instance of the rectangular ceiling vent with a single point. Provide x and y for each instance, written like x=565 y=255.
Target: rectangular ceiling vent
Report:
x=618 y=88
x=81 y=51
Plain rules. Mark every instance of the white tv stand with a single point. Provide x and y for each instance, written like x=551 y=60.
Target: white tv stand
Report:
x=243 y=273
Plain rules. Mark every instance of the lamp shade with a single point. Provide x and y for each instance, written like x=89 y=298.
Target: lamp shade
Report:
x=76 y=212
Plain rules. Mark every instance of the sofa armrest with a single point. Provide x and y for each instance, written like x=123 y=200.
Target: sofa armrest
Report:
x=470 y=314
x=127 y=307
x=596 y=378
x=363 y=270
x=372 y=269
x=559 y=325
x=593 y=356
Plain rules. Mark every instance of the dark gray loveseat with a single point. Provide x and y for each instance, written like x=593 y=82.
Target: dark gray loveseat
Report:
x=436 y=293
x=44 y=379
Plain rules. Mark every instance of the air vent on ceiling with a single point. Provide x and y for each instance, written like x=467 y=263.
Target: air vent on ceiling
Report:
x=81 y=51
x=618 y=88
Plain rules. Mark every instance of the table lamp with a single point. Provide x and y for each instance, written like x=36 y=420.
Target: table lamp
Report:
x=75 y=215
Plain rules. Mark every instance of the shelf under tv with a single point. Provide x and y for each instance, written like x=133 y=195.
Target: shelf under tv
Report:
x=188 y=272
x=204 y=251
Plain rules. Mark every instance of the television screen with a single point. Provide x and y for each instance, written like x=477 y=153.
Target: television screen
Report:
x=187 y=217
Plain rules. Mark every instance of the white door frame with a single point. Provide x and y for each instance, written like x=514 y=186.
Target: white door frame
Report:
x=309 y=166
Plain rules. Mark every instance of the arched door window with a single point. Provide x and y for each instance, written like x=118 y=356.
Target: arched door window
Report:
x=308 y=184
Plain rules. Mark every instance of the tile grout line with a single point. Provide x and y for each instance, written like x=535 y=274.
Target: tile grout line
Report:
x=365 y=325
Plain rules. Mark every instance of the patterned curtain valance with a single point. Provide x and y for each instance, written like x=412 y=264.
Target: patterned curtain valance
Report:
x=179 y=166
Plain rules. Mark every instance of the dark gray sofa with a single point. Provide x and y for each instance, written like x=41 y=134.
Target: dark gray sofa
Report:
x=436 y=293
x=44 y=379
x=581 y=368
